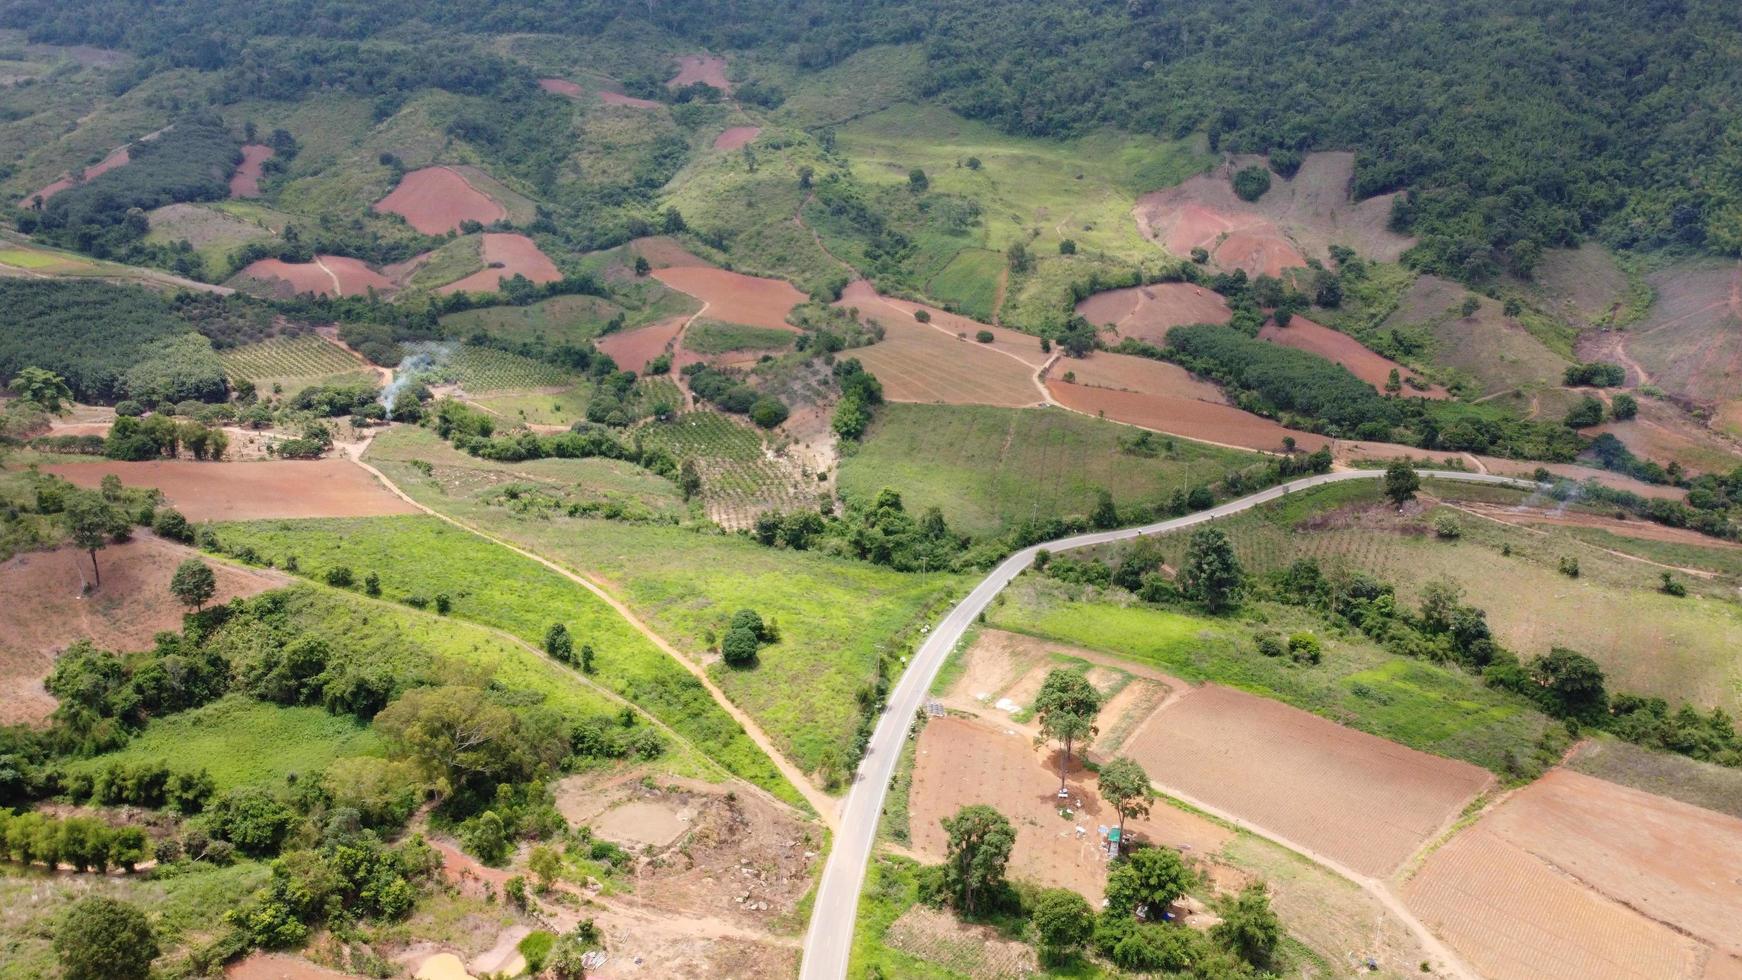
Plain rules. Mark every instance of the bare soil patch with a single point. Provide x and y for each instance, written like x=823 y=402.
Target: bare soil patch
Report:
x=279 y=966
x=959 y=762
x=1691 y=340
x=1334 y=345
x=1573 y=471
x=1664 y=433
x=327 y=275
x=708 y=68
x=1296 y=218
x=1359 y=799
x=735 y=137
x=1492 y=348
x=643 y=823
x=1187 y=417
x=1140 y=374
x=633 y=349
x=873 y=305
x=1147 y=313
x=436 y=200
x=734 y=297
x=662 y=252
x=917 y=363
x=245 y=182
x=118 y=157
x=506 y=255
x=561 y=86
x=251 y=491
x=1585 y=284
x=47 y=609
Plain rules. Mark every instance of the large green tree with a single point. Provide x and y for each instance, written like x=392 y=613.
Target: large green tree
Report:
x=1212 y=575
x=104 y=939
x=193 y=583
x=44 y=388
x=980 y=839
x=1066 y=706
x=1125 y=786
x=462 y=740
x=1401 y=482
x=1064 y=921
x=93 y=523
x=1147 y=881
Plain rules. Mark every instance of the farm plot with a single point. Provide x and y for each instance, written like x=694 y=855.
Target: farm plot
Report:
x=988 y=468
x=436 y=200
x=888 y=310
x=118 y=157
x=708 y=337
x=1516 y=918
x=1334 y=345
x=916 y=363
x=959 y=762
x=487 y=369
x=48 y=607
x=1364 y=801
x=1690 y=343
x=1490 y=347
x=1147 y=313
x=246 y=491
x=969 y=282
x=327 y=275
x=245 y=182
x=213 y=233
x=554 y=321
x=633 y=349
x=1662 y=432
x=735 y=137
x=741 y=476
x=283 y=358
x=506 y=256
x=733 y=297
x=706 y=68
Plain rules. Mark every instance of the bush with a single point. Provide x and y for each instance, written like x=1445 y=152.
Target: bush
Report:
x=1251 y=183
x=739 y=647
x=1569 y=566
x=1270 y=643
x=1673 y=586
x=340 y=577
x=1304 y=648
x=104 y=939
x=1446 y=527
x=984 y=336
x=768 y=411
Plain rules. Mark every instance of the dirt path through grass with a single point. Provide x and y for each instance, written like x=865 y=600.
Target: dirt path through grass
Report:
x=821 y=802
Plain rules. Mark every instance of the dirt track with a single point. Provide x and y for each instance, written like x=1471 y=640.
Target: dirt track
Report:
x=245 y=182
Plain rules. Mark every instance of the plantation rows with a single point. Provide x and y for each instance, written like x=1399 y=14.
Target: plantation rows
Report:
x=741 y=477
x=486 y=369
x=307 y=356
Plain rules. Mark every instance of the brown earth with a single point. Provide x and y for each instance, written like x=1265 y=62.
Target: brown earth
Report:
x=118 y=157
x=917 y=362
x=1147 y=313
x=506 y=254
x=1140 y=374
x=1495 y=350
x=47 y=609
x=1296 y=218
x=1186 y=417
x=1363 y=801
x=1690 y=342
x=561 y=86
x=435 y=200
x=1573 y=471
x=327 y=275
x=279 y=966
x=959 y=762
x=633 y=349
x=1334 y=345
x=245 y=182
x=662 y=252
x=1643 y=529
x=250 y=491
x=618 y=98
x=872 y=305
x=707 y=68
x=1664 y=433
x=733 y=297
x=735 y=137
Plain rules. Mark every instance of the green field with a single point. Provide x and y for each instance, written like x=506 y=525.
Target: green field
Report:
x=568 y=405
x=246 y=742
x=989 y=468
x=835 y=615
x=450 y=263
x=487 y=369
x=1647 y=642
x=558 y=320
x=27 y=259
x=714 y=337
x=488 y=584
x=292 y=363
x=970 y=283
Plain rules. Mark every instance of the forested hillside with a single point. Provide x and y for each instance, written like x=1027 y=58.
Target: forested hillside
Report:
x=1516 y=125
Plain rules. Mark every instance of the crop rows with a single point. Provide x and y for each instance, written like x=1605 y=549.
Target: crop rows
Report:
x=741 y=476
x=307 y=356
x=486 y=369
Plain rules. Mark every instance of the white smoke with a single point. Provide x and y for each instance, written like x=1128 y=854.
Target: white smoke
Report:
x=424 y=358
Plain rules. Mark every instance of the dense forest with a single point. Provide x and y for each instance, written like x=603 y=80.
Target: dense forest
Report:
x=1515 y=125
x=107 y=342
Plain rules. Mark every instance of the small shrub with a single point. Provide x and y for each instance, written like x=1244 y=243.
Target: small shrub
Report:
x=1270 y=643
x=443 y=603
x=984 y=336
x=1673 y=586
x=372 y=584
x=1446 y=528
x=923 y=316
x=1304 y=648
x=1569 y=566
x=340 y=577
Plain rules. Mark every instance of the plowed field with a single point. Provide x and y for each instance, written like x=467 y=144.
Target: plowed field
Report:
x=435 y=200
x=253 y=490
x=888 y=310
x=918 y=362
x=734 y=297
x=708 y=68
x=506 y=255
x=245 y=182
x=735 y=137
x=1334 y=345
x=1147 y=313
x=632 y=349
x=327 y=275
x=1356 y=798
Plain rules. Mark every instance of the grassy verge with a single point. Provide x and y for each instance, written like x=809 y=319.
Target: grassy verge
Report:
x=422 y=557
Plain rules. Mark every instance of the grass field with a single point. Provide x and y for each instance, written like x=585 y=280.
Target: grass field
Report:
x=450 y=263
x=488 y=369
x=1666 y=774
x=1647 y=642
x=246 y=742
x=558 y=320
x=27 y=259
x=969 y=283
x=567 y=405
x=835 y=616
x=713 y=337
x=1417 y=704
x=988 y=468
x=423 y=556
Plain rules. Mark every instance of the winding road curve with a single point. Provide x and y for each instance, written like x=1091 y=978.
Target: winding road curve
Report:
x=829 y=943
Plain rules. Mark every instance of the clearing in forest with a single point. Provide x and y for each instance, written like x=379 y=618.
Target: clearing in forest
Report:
x=1147 y=313
x=327 y=275
x=733 y=297
x=245 y=182
x=506 y=255
x=735 y=137
x=1334 y=345
x=706 y=68
x=633 y=349
x=436 y=200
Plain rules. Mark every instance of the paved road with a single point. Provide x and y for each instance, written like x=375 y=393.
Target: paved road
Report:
x=830 y=940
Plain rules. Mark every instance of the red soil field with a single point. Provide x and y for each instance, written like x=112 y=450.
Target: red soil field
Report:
x=959 y=762
x=252 y=490
x=1186 y=417
x=886 y=310
x=435 y=200
x=327 y=275
x=663 y=253
x=632 y=349
x=561 y=86
x=618 y=98
x=1513 y=917
x=917 y=362
x=1147 y=313
x=245 y=182
x=733 y=297
x=735 y=137
x=506 y=254
x=1356 y=798
x=278 y=966
x=1690 y=343
x=701 y=68
x=1234 y=240
x=1334 y=345
x=46 y=609
x=116 y=158
x=1140 y=374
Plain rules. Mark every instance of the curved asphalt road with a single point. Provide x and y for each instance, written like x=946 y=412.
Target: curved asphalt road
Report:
x=830 y=941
